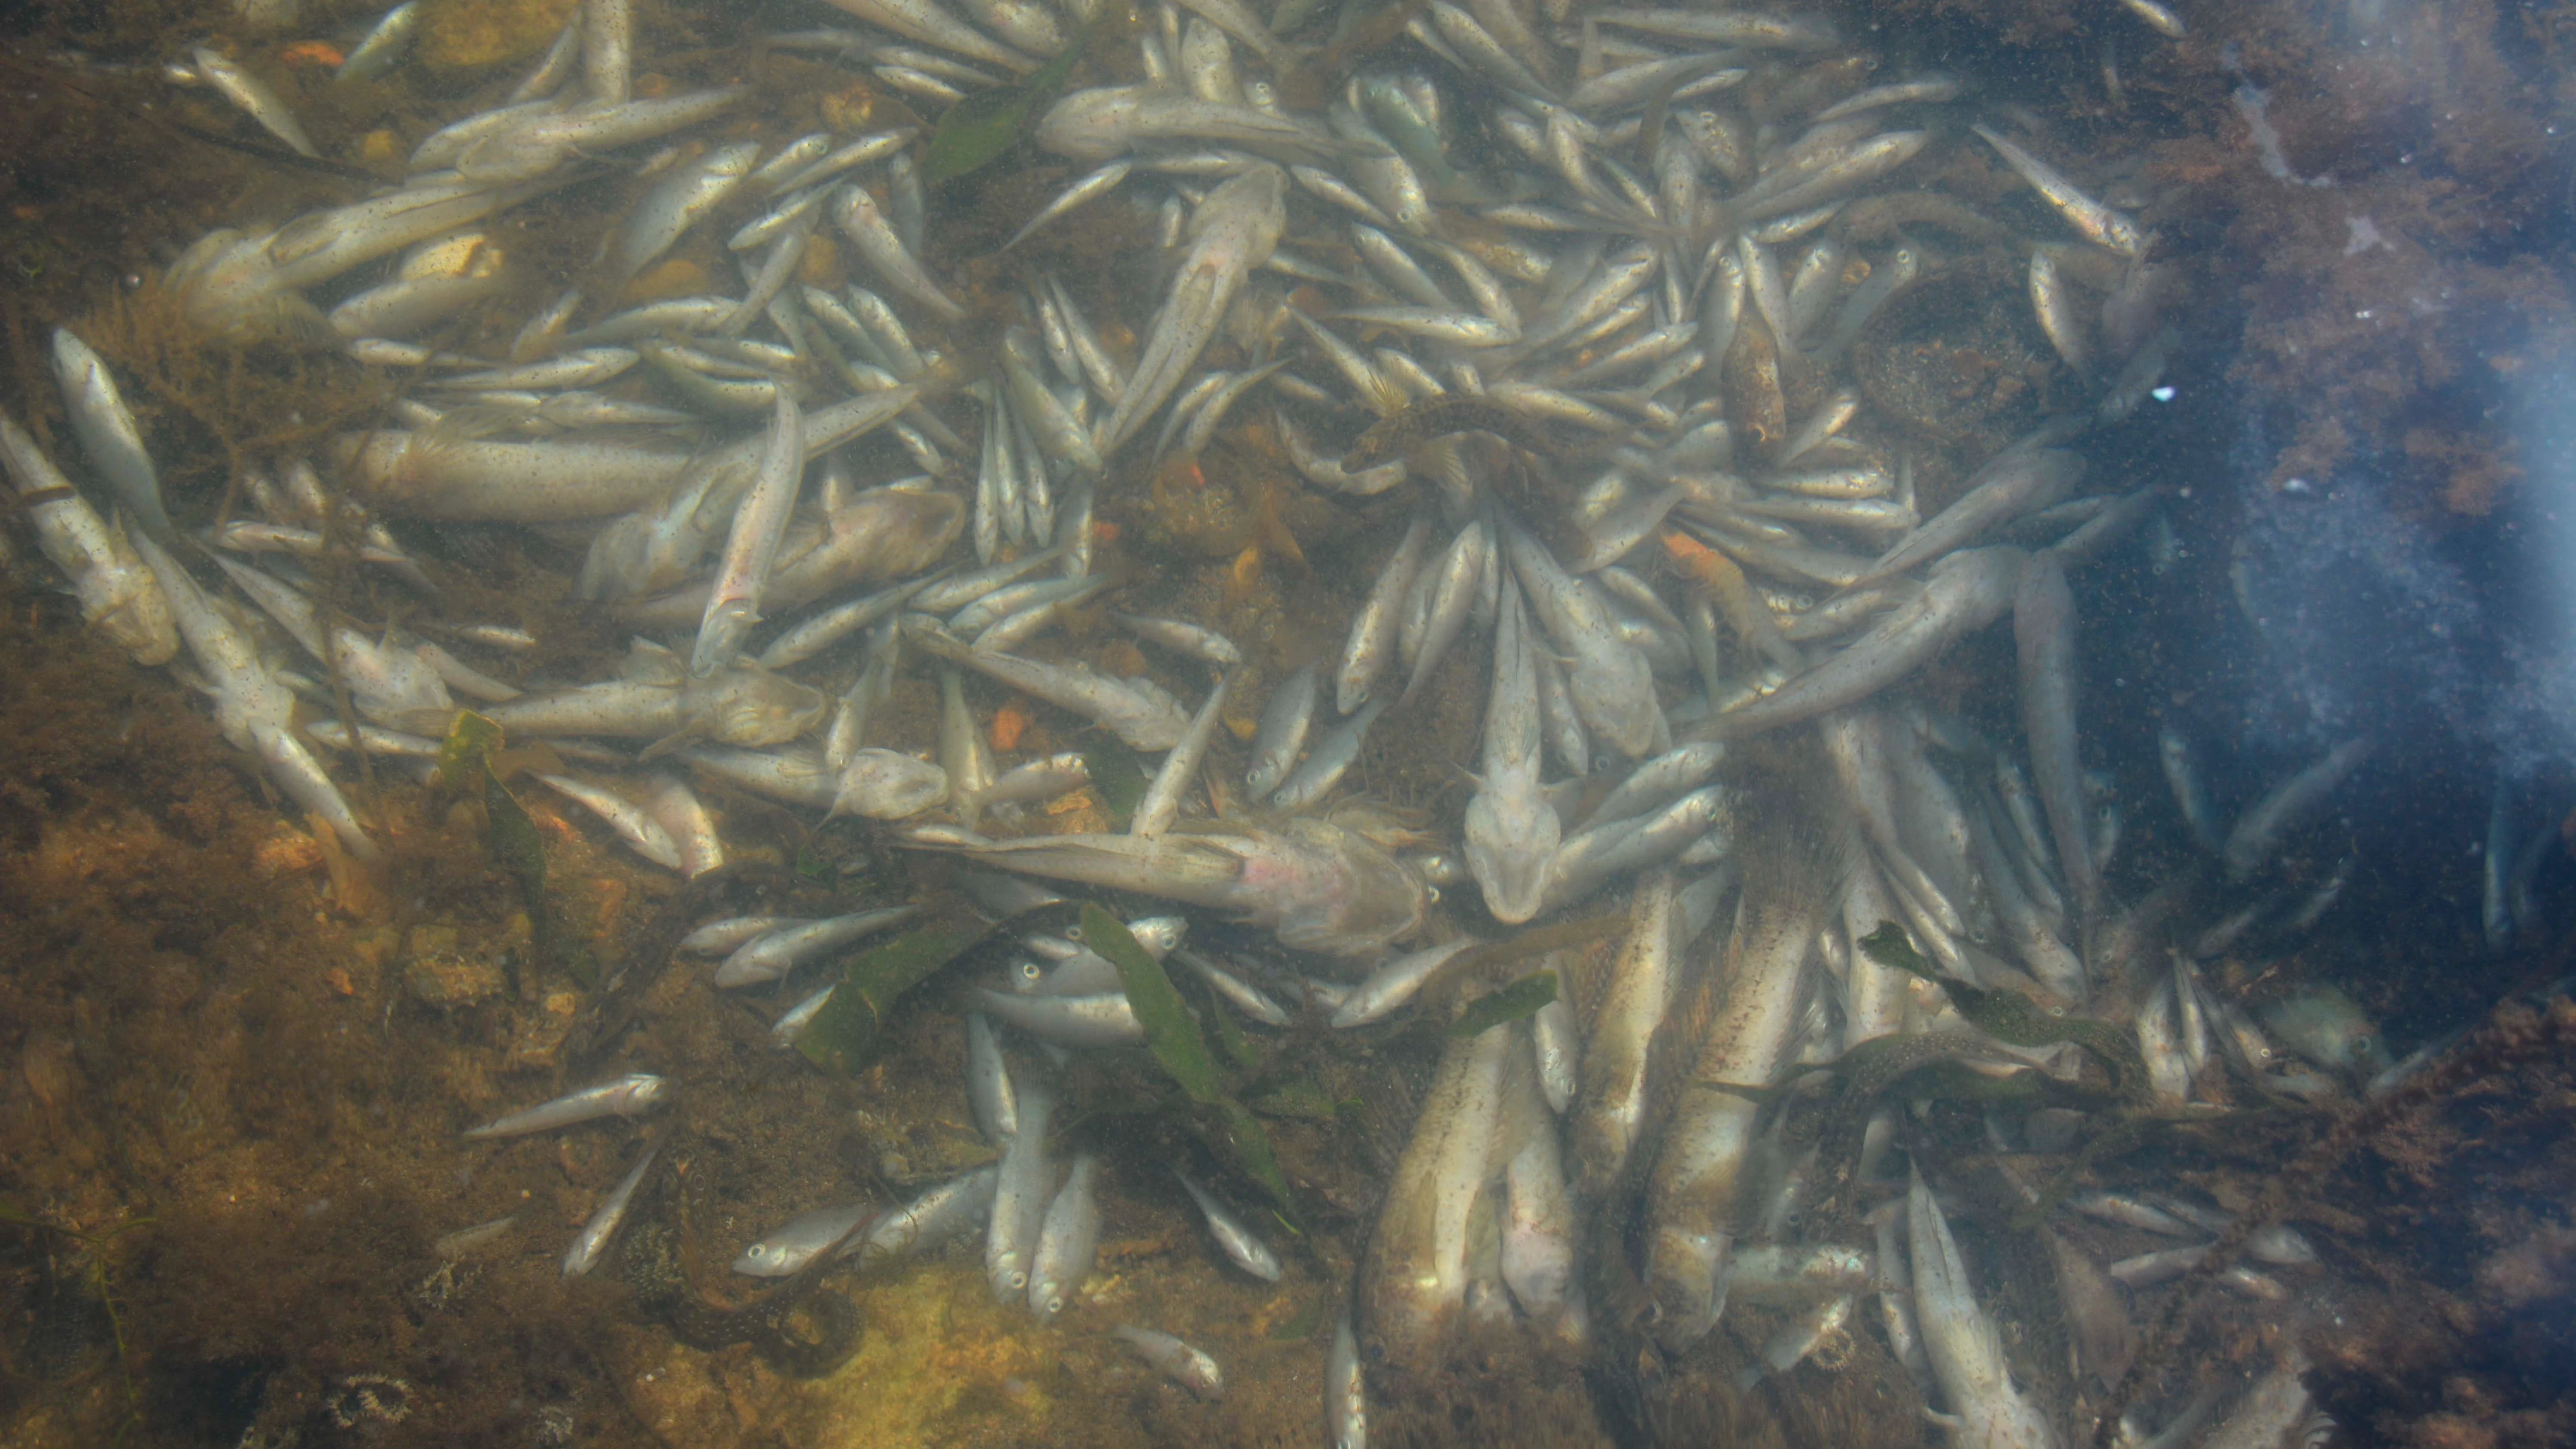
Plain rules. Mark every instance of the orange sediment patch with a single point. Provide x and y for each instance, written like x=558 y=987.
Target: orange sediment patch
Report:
x=1009 y=723
x=1718 y=576
x=1243 y=575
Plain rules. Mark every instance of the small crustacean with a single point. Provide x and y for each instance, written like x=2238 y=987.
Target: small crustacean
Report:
x=1314 y=883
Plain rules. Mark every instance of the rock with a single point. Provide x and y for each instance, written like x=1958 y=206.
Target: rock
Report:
x=464 y=34
x=452 y=978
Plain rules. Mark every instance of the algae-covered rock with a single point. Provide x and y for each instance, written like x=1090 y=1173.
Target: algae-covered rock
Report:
x=442 y=972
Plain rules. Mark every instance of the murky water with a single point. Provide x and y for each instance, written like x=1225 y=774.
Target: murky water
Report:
x=2263 y=1139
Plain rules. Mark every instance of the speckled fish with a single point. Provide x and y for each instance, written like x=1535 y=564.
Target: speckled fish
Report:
x=1091 y=126
x=1927 y=90
x=631 y=821
x=2044 y=635
x=1182 y=1364
x=544 y=141
x=1454 y=586
x=2099 y=224
x=751 y=549
x=1413 y=1281
x=676 y=203
x=384 y=47
x=931 y=24
x=1700 y=1191
x=1182 y=637
x=628 y=1096
x=856 y=213
x=1540 y=1224
x=1611 y=1107
x=1611 y=685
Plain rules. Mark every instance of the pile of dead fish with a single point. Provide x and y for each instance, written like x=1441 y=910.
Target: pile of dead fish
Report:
x=1661 y=297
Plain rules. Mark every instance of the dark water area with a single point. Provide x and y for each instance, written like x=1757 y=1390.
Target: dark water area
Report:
x=237 y=1058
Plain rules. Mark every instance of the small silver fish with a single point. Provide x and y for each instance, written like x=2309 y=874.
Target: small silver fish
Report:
x=254 y=97
x=1182 y=1364
x=629 y=1096
x=802 y=1239
x=592 y=1245
x=1068 y=1240
x=1246 y=1250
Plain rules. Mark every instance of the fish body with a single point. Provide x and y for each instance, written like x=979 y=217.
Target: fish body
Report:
x=628 y=1096
x=1242 y=1247
x=1966 y=1351
x=1068 y=1239
x=108 y=434
x=1021 y=1191
x=802 y=1239
x=592 y=1244
x=1178 y=1361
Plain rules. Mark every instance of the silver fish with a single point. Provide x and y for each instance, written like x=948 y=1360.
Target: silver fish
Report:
x=627 y=1096
x=592 y=1244
x=1241 y=1246
x=1182 y=1364
x=108 y=435
x=1068 y=1239
x=254 y=97
x=801 y=1239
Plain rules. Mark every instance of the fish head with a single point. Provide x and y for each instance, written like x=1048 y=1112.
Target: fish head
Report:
x=752 y=708
x=883 y=785
x=1510 y=838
